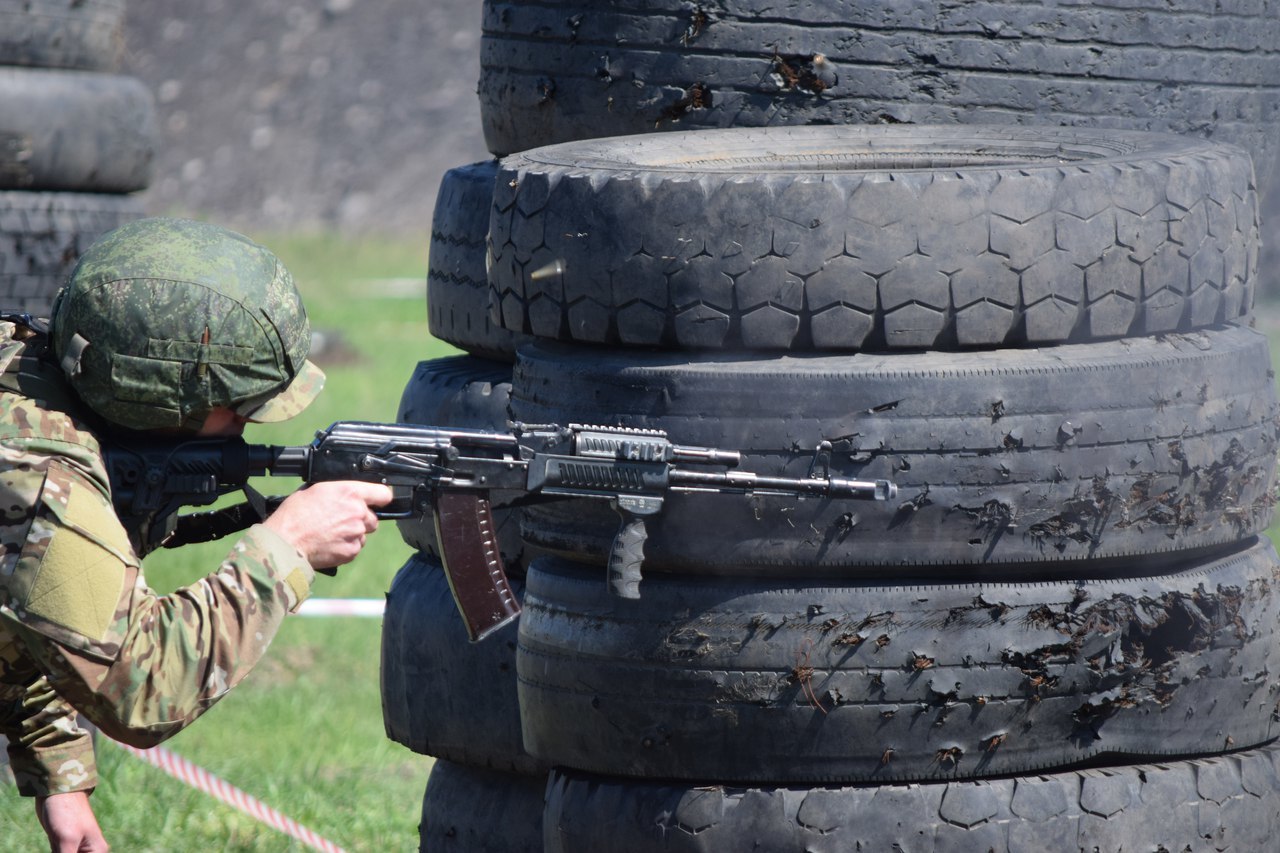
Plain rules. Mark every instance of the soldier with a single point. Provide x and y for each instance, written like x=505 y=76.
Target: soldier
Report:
x=172 y=326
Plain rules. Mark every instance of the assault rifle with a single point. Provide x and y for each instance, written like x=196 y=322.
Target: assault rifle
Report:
x=450 y=474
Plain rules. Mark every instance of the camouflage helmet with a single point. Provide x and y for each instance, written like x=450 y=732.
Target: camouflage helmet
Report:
x=164 y=320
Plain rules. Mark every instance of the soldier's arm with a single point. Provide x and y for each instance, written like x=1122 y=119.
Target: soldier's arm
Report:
x=141 y=666
x=49 y=752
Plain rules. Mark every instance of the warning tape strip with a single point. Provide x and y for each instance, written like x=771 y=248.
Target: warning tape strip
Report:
x=202 y=780
x=342 y=607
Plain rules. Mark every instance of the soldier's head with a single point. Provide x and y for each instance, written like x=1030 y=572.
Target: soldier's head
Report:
x=165 y=321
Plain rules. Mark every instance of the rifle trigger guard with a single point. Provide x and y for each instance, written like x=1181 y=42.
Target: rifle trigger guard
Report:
x=411 y=504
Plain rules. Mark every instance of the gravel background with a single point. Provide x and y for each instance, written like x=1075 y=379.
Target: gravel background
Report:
x=296 y=114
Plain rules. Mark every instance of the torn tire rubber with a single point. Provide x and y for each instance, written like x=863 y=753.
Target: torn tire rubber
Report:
x=75 y=131
x=1065 y=460
x=441 y=694
x=466 y=393
x=457 y=284
x=864 y=238
x=469 y=810
x=577 y=69
x=1227 y=802
x=798 y=680
x=42 y=236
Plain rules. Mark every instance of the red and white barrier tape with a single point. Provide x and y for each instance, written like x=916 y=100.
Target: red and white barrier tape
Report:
x=202 y=780
x=342 y=607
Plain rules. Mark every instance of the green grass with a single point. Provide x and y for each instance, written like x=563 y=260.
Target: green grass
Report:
x=303 y=732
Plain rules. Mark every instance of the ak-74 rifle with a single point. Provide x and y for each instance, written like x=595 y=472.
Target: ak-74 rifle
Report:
x=450 y=474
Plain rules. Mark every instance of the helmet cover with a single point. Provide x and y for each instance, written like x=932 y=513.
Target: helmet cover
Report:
x=164 y=320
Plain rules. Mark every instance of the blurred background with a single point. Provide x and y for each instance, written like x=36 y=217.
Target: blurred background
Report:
x=328 y=114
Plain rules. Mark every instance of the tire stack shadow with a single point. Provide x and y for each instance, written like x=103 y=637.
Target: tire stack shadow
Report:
x=1061 y=635
x=76 y=139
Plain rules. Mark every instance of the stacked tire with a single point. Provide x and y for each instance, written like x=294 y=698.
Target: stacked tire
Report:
x=575 y=69
x=442 y=695
x=1060 y=634
x=76 y=140
x=1070 y=586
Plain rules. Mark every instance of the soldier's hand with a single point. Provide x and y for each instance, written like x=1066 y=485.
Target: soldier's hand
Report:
x=69 y=822
x=328 y=522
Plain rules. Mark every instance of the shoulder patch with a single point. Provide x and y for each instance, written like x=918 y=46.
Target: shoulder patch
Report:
x=74 y=568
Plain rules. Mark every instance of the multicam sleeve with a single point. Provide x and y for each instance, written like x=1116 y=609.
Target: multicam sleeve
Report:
x=49 y=752
x=148 y=664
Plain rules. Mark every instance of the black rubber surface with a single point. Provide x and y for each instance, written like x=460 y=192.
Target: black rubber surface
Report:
x=734 y=679
x=1229 y=802
x=457 y=285
x=79 y=34
x=1064 y=460
x=442 y=695
x=42 y=235
x=75 y=131
x=481 y=811
x=468 y=393
x=859 y=237
x=559 y=70
x=553 y=71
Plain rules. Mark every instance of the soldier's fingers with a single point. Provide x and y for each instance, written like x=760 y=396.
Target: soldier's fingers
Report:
x=374 y=494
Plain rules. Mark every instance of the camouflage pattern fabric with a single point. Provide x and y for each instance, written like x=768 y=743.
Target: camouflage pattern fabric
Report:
x=80 y=630
x=166 y=319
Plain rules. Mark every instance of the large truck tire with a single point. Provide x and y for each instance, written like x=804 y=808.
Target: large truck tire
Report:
x=466 y=393
x=469 y=810
x=1067 y=461
x=795 y=680
x=857 y=238
x=1226 y=802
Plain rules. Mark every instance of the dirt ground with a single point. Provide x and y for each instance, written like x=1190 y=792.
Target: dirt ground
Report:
x=287 y=114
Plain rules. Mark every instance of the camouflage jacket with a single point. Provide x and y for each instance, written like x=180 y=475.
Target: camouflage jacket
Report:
x=80 y=630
